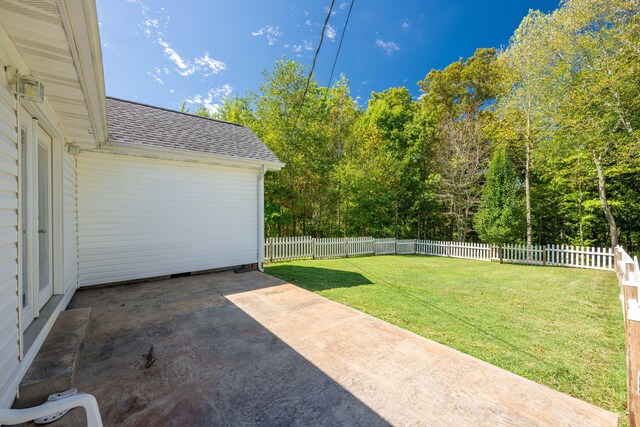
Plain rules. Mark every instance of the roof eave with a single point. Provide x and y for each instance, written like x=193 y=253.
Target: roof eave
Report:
x=127 y=148
x=80 y=21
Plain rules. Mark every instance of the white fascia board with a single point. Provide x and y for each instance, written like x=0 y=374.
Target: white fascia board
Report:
x=125 y=148
x=80 y=21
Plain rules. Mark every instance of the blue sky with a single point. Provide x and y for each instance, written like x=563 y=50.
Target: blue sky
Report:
x=164 y=52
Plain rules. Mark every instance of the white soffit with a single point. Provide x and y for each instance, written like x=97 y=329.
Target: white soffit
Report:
x=60 y=45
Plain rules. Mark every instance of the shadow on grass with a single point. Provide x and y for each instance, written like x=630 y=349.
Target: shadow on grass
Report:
x=318 y=279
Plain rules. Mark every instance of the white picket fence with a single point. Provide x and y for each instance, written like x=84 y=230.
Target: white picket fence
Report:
x=628 y=273
x=384 y=246
x=406 y=247
x=343 y=247
x=627 y=268
x=288 y=248
x=581 y=257
x=479 y=251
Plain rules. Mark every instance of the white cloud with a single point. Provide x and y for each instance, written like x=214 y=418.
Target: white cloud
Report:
x=343 y=5
x=405 y=25
x=151 y=26
x=155 y=29
x=155 y=77
x=326 y=9
x=214 y=65
x=184 y=68
x=330 y=32
x=151 y=22
x=204 y=64
x=305 y=46
x=212 y=101
x=388 y=47
x=308 y=22
x=143 y=8
x=272 y=33
x=222 y=91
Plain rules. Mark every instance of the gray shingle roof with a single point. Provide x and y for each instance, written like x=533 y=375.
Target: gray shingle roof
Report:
x=135 y=123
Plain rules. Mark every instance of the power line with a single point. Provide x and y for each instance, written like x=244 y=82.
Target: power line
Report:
x=313 y=66
x=344 y=30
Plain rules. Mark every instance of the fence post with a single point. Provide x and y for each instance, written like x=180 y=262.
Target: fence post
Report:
x=632 y=332
x=617 y=256
x=544 y=254
x=448 y=249
x=313 y=248
x=346 y=246
x=500 y=253
x=271 y=249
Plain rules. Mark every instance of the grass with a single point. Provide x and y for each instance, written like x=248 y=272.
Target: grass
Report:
x=557 y=326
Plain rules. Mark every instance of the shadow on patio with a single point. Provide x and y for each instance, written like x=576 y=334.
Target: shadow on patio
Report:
x=215 y=364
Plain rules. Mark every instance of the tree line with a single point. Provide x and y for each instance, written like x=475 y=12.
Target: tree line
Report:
x=537 y=142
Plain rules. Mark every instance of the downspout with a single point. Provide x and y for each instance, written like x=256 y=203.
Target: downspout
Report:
x=263 y=171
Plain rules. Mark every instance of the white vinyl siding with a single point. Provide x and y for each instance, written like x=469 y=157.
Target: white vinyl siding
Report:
x=70 y=206
x=9 y=299
x=140 y=218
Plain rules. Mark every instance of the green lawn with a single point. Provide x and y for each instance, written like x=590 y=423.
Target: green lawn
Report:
x=558 y=326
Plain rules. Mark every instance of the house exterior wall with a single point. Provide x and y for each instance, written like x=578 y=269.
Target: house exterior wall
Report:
x=14 y=357
x=9 y=296
x=140 y=217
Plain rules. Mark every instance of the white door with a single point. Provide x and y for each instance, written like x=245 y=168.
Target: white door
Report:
x=35 y=218
x=45 y=288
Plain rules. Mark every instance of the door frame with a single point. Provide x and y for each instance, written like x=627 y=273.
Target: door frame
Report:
x=46 y=142
x=28 y=199
x=29 y=311
x=33 y=116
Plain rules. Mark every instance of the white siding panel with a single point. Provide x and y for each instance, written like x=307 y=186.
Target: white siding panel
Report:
x=140 y=218
x=9 y=299
x=70 y=206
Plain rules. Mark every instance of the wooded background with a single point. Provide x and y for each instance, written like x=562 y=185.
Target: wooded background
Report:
x=534 y=143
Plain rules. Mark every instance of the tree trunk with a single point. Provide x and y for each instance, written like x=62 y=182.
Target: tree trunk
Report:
x=527 y=185
x=613 y=228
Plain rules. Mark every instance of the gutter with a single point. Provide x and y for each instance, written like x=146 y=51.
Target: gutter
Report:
x=127 y=148
x=80 y=22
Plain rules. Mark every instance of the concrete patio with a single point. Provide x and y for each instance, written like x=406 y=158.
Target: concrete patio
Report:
x=249 y=349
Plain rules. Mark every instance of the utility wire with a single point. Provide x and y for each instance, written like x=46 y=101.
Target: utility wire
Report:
x=313 y=66
x=335 y=61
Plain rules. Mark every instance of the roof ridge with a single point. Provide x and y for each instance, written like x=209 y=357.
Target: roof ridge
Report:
x=174 y=111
